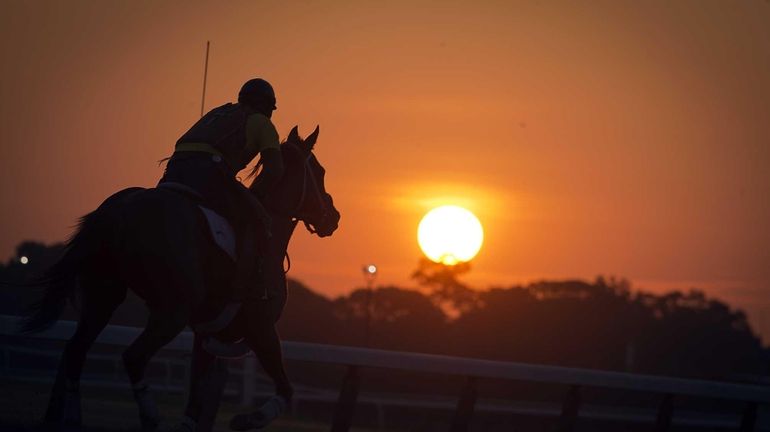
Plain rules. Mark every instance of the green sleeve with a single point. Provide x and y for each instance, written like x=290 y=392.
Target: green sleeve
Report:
x=260 y=134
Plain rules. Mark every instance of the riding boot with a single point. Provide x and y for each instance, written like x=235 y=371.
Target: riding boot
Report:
x=247 y=283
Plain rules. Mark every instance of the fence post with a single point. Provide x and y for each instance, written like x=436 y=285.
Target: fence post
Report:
x=249 y=379
x=665 y=413
x=569 y=410
x=465 y=405
x=380 y=417
x=346 y=403
x=749 y=420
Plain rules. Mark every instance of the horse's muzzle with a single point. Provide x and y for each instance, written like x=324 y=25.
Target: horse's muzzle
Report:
x=328 y=223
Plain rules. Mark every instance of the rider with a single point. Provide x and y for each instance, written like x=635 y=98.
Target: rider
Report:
x=219 y=145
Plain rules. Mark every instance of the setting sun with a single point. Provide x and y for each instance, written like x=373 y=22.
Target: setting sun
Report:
x=450 y=234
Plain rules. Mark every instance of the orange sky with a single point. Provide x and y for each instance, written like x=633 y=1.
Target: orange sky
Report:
x=616 y=138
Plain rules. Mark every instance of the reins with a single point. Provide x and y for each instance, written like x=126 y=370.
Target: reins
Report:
x=295 y=214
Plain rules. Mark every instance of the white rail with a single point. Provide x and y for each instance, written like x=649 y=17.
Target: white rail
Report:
x=439 y=364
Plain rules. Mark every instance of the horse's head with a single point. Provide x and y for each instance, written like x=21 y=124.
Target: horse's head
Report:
x=301 y=192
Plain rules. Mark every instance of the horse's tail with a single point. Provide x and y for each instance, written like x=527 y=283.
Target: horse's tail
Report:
x=60 y=280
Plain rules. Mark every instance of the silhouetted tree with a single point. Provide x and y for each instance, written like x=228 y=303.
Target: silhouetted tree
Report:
x=444 y=287
x=697 y=336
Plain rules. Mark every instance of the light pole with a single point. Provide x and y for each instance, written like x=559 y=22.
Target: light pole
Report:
x=370 y=274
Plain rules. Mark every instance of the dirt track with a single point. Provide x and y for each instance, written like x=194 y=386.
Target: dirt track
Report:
x=22 y=406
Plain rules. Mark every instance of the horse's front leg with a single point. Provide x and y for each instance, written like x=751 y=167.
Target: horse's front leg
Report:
x=261 y=335
x=208 y=376
x=262 y=338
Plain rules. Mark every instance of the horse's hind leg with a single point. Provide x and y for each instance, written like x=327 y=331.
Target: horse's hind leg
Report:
x=64 y=404
x=162 y=326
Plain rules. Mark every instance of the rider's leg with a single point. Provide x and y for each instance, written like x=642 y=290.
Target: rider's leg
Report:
x=228 y=197
x=246 y=281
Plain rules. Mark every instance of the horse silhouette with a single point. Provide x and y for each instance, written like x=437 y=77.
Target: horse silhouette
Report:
x=156 y=243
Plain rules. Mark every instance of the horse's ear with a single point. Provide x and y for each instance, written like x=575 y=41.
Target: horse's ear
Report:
x=294 y=135
x=312 y=138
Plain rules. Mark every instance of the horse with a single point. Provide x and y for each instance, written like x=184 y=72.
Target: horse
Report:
x=156 y=243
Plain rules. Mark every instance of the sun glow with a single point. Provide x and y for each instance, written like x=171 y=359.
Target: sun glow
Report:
x=450 y=235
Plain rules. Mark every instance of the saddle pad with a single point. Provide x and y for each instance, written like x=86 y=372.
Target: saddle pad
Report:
x=221 y=231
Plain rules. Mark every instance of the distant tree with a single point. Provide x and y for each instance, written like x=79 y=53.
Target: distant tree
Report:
x=602 y=324
x=605 y=325
x=693 y=335
x=444 y=288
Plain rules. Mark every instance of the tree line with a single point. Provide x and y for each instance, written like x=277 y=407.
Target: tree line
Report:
x=601 y=324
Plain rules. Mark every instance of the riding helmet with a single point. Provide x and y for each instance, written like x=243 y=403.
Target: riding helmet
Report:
x=257 y=92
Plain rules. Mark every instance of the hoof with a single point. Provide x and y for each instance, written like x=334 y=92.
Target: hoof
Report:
x=269 y=411
x=186 y=425
x=149 y=424
x=64 y=412
x=245 y=422
x=51 y=427
x=148 y=410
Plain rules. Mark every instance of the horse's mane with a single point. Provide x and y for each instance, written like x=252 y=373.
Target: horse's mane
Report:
x=254 y=171
x=257 y=168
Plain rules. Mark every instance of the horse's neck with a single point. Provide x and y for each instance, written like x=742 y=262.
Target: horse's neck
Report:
x=282 y=229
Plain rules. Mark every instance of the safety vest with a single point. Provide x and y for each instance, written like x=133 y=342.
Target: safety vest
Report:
x=222 y=131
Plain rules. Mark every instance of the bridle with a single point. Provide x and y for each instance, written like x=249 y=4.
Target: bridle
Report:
x=296 y=214
x=308 y=182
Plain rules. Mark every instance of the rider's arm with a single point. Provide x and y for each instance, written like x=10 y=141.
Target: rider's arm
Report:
x=262 y=138
x=272 y=170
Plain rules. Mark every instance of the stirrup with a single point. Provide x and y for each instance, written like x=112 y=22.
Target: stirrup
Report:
x=226 y=350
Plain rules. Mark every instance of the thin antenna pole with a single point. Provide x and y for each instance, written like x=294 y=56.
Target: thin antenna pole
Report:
x=205 y=76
